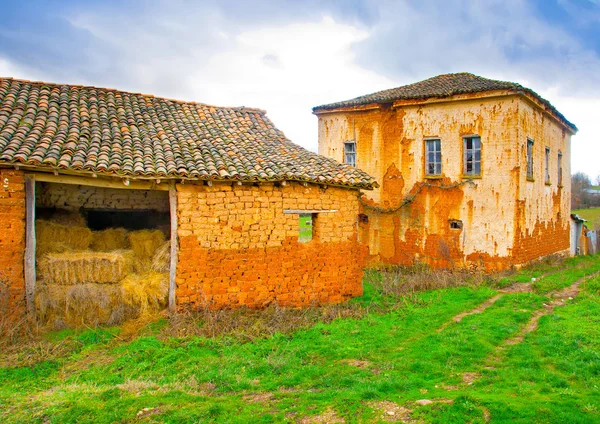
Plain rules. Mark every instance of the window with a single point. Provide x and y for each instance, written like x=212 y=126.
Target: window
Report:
x=306 y=227
x=560 y=169
x=433 y=157
x=456 y=224
x=350 y=153
x=530 y=158
x=547 y=167
x=472 y=156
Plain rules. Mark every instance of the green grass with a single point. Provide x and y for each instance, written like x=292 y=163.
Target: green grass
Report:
x=306 y=229
x=592 y=215
x=408 y=350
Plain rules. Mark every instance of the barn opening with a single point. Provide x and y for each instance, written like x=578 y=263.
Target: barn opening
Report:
x=102 y=254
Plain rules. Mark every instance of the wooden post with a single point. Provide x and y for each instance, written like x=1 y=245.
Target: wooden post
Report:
x=174 y=246
x=30 y=243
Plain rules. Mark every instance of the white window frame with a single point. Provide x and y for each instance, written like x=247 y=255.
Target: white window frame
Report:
x=472 y=156
x=560 y=170
x=547 y=166
x=350 y=153
x=530 y=144
x=433 y=158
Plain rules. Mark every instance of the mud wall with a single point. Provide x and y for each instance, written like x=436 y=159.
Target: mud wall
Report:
x=542 y=212
x=239 y=248
x=12 y=240
x=74 y=197
x=493 y=209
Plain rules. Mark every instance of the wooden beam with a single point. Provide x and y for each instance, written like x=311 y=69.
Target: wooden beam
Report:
x=174 y=247
x=98 y=182
x=30 y=276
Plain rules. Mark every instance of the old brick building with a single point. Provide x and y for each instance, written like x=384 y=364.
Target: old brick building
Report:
x=472 y=170
x=227 y=185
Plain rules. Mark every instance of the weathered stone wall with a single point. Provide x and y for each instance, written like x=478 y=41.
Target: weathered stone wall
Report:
x=239 y=248
x=390 y=146
x=73 y=197
x=12 y=236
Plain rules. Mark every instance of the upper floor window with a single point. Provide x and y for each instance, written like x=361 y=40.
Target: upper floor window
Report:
x=350 y=153
x=529 y=158
x=472 y=156
x=560 y=169
x=433 y=157
x=547 y=166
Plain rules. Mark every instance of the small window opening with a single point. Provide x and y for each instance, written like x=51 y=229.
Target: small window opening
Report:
x=307 y=222
x=456 y=224
x=350 y=153
x=547 y=167
x=433 y=157
x=472 y=156
x=529 y=158
x=363 y=218
x=560 y=171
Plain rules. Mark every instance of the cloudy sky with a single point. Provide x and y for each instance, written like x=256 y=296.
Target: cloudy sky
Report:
x=287 y=56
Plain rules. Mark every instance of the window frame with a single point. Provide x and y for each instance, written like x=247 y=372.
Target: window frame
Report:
x=560 y=170
x=437 y=173
x=473 y=150
x=529 y=157
x=351 y=154
x=547 y=166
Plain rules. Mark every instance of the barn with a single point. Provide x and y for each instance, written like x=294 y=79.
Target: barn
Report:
x=112 y=201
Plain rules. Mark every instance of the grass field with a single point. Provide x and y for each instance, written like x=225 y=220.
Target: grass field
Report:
x=592 y=215
x=390 y=356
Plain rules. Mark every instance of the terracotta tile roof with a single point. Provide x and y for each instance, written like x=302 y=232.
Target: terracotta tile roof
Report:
x=442 y=86
x=105 y=131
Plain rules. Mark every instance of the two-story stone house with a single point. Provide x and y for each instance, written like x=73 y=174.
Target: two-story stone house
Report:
x=472 y=171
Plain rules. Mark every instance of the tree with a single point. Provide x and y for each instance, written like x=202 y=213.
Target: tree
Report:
x=579 y=197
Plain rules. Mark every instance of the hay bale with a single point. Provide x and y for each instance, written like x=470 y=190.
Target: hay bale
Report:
x=146 y=292
x=68 y=218
x=86 y=267
x=161 y=261
x=80 y=305
x=49 y=233
x=41 y=249
x=109 y=240
x=145 y=243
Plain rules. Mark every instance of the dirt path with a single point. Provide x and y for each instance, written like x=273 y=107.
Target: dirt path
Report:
x=513 y=288
x=559 y=298
x=479 y=309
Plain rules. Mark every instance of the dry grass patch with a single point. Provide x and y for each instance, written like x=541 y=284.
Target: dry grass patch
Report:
x=248 y=324
x=391 y=412
x=400 y=281
x=327 y=417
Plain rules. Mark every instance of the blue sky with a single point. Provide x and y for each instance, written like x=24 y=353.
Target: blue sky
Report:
x=288 y=56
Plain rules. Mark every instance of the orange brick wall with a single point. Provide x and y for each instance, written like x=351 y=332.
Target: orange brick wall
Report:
x=239 y=248
x=12 y=234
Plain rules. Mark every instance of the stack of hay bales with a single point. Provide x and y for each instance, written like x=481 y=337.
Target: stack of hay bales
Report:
x=98 y=277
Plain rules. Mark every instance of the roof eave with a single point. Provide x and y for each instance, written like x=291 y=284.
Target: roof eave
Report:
x=166 y=178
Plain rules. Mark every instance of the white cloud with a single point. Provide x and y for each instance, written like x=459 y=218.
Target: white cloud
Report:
x=585 y=145
x=288 y=66
x=8 y=69
x=315 y=66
